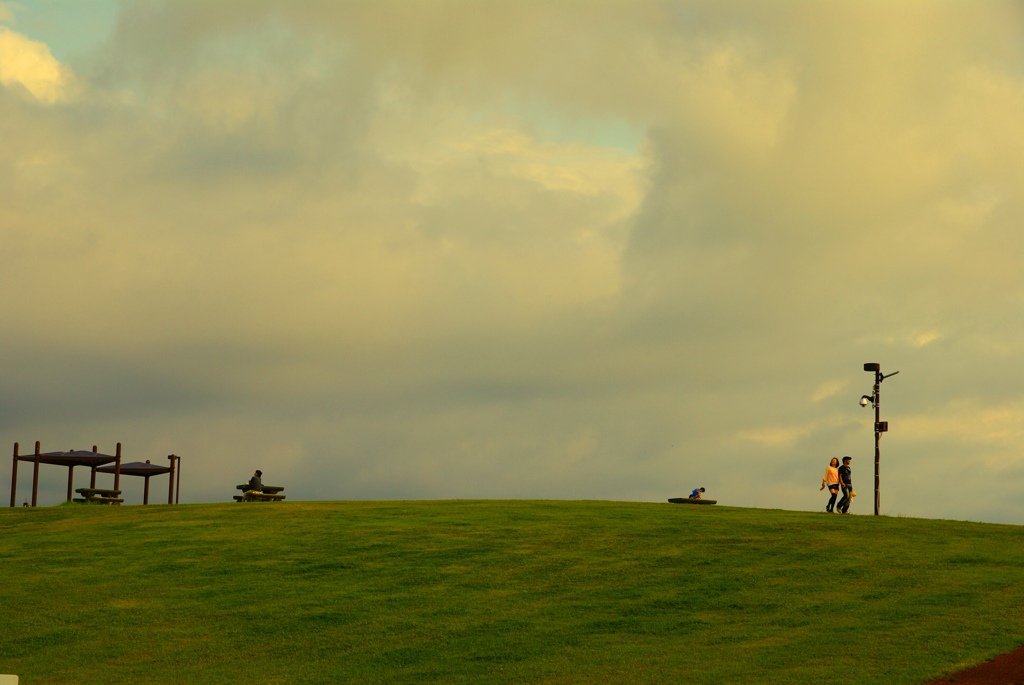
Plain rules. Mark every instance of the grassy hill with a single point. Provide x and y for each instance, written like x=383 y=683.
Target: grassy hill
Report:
x=499 y=592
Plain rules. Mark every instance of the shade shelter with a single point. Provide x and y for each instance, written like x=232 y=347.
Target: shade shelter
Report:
x=147 y=470
x=70 y=459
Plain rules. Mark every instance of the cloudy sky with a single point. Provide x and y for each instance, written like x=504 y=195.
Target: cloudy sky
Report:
x=468 y=249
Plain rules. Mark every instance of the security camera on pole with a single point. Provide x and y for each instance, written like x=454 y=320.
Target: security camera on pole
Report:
x=875 y=400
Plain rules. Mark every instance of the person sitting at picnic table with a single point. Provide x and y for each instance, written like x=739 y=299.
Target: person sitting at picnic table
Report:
x=255 y=483
x=696 y=493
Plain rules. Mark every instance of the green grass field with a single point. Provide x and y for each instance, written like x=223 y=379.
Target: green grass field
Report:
x=499 y=592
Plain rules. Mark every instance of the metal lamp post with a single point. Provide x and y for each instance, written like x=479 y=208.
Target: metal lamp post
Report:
x=875 y=399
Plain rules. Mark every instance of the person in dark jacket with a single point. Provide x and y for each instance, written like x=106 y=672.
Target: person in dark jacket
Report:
x=256 y=482
x=846 y=483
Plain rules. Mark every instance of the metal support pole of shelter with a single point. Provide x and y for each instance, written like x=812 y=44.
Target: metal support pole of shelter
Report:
x=92 y=475
x=117 y=468
x=35 y=476
x=170 y=480
x=14 y=477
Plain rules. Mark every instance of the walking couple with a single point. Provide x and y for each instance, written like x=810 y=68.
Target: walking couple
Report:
x=837 y=477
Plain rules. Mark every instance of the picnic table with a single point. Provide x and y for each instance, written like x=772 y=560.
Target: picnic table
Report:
x=268 y=493
x=98 y=496
x=692 y=500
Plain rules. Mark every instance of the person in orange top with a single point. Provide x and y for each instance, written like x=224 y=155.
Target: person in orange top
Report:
x=831 y=481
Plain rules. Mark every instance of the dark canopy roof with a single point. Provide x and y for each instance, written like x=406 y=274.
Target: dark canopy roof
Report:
x=137 y=468
x=70 y=458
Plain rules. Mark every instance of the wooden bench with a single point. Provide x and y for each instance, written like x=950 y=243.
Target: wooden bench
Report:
x=98 y=496
x=269 y=493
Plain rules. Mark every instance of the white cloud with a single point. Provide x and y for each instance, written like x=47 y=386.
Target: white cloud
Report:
x=779 y=436
x=28 y=63
x=829 y=389
x=926 y=338
x=967 y=423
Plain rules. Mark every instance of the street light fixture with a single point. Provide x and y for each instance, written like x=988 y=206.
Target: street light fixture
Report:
x=875 y=400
